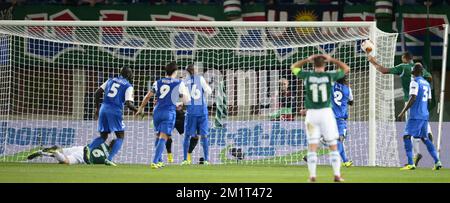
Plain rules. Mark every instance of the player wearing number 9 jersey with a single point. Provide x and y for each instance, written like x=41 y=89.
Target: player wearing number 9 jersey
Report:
x=116 y=93
x=167 y=90
x=320 y=118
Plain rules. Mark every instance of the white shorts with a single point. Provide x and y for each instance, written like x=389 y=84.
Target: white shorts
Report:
x=74 y=154
x=321 y=122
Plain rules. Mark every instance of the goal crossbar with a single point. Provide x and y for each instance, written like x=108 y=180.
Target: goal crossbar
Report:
x=186 y=23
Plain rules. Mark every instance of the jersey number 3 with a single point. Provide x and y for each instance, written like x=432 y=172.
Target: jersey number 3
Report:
x=425 y=94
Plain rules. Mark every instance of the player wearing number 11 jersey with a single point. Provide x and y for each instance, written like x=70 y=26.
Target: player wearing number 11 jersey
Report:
x=320 y=118
x=167 y=91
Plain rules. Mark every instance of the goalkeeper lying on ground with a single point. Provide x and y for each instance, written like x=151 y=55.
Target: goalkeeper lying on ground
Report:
x=76 y=154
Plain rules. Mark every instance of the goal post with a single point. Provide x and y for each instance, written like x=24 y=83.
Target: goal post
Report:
x=442 y=94
x=51 y=69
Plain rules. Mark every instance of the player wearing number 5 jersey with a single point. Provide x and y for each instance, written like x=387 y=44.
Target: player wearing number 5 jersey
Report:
x=167 y=90
x=320 y=120
x=116 y=93
x=196 y=121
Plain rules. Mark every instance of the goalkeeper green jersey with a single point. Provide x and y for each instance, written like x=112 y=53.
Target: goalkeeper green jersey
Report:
x=404 y=71
x=318 y=87
x=99 y=154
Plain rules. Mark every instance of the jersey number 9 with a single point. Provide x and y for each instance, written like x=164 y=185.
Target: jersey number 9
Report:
x=164 y=90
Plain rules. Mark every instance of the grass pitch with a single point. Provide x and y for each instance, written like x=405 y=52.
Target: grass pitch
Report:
x=56 y=173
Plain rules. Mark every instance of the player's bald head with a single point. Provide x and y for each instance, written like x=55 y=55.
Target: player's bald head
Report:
x=127 y=73
x=171 y=68
x=319 y=61
x=417 y=69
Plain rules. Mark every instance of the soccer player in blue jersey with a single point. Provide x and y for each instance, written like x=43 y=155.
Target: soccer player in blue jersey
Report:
x=342 y=97
x=404 y=70
x=116 y=93
x=417 y=124
x=196 y=121
x=167 y=91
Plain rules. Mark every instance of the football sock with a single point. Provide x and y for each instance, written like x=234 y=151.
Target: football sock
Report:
x=169 y=146
x=416 y=148
x=156 y=141
x=96 y=143
x=432 y=150
x=192 y=144
x=312 y=163
x=156 y=144
x=159 y=150
x=185 y=146
x=115 y=148
x=342 y=151
x=335 y=160
x=59 y=156
x=205 y=145
x=408 y=149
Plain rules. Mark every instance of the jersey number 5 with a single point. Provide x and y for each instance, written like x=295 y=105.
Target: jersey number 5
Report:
x=113 y=91
x=315 y=92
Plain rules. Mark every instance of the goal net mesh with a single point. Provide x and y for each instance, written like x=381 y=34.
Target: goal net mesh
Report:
x=49 y=75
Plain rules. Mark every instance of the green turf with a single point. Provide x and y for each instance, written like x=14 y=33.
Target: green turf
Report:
x=27 y=172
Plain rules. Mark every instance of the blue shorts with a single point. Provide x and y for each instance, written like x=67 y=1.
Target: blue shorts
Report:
x=110 y=120
x=164 y=121
x=417 y=128
x=196 y=125
x=342 y=126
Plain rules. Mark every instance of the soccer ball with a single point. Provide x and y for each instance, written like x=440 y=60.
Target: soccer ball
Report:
x=367 y=46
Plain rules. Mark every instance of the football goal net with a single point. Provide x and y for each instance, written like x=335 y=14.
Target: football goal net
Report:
x=50 y=70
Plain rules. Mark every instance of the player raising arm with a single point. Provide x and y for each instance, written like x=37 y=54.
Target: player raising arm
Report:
x=116 y=93
x=320 y=119
x=417 y=124
x=403 y=70
x=167 y=91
